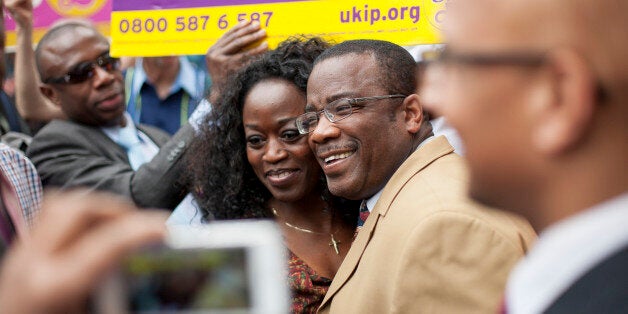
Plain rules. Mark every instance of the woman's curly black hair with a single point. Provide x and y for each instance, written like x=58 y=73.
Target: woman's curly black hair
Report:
x=224 y=183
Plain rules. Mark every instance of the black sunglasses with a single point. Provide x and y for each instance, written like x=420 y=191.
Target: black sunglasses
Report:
x=86 y=70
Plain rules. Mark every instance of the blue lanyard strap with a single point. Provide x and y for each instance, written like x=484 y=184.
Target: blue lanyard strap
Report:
x=185 y=107
x=135 y=108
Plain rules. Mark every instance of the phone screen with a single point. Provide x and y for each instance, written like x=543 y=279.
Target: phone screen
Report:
x=187 y=280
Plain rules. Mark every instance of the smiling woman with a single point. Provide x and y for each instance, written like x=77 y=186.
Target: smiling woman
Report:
x=278 y=154
x=252 y=162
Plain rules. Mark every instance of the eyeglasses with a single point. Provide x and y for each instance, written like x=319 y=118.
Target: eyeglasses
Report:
x=335 y=111
x=86 y=70
x=521 y=58
x=446 y=56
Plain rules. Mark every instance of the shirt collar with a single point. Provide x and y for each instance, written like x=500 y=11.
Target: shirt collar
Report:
x=186 y=79
x=566 y=251
x=113 y=132
x=371 y=201
x=139 y=76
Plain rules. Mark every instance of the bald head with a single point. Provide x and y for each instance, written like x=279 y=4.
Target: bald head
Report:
x=538 y=91
x=79 y=76
x=597 y=30
x=58 y=40
x=600 y=30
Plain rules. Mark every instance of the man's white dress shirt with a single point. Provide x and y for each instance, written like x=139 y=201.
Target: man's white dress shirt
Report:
x=565 y=252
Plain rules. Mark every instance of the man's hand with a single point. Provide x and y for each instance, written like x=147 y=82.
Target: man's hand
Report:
x=78 y=237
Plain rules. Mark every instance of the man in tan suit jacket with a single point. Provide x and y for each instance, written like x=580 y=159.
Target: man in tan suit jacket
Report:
x=425 y=248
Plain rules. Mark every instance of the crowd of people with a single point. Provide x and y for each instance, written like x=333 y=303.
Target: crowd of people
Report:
x=346 y=147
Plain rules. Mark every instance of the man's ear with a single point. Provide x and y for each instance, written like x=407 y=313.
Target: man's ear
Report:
x=413 y=113
x=51 y=94
x=566 y=117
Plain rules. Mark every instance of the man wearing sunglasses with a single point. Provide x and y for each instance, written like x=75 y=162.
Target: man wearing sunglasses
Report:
x=538 y=91
x=424 y=247
x=99 y=146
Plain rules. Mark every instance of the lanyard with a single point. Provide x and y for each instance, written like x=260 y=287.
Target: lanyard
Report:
x=185 y=107
x=136 y=111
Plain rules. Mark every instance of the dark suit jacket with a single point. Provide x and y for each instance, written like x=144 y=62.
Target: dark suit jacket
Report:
x=67 y=154
x=604 y=289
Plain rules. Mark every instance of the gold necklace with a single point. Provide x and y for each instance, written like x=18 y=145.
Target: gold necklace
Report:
x=333 y=242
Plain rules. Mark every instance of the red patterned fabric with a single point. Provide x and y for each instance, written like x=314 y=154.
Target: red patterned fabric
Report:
x=307 y=287
x=364 y=213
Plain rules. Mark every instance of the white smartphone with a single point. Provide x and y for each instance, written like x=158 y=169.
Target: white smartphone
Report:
x=220 y=267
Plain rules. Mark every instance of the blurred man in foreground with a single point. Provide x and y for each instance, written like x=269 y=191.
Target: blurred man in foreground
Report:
x=539 y=93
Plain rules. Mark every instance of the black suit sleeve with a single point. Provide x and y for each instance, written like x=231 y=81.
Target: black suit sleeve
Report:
x=70 y=155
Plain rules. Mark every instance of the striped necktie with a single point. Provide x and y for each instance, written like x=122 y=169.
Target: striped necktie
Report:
x=364 y=213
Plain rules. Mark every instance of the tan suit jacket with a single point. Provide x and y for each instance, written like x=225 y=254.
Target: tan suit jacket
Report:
x=426 y=248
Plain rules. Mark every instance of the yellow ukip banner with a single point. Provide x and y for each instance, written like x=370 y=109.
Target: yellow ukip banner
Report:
x=162 y=27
